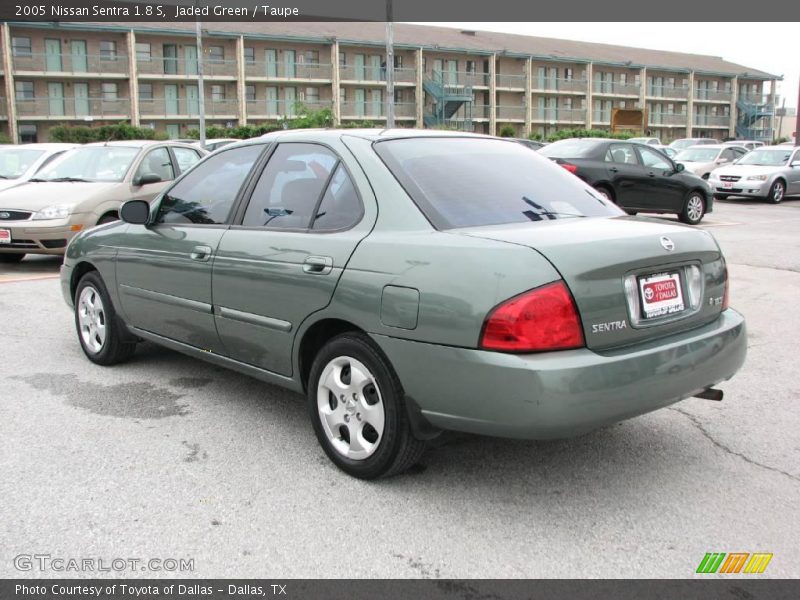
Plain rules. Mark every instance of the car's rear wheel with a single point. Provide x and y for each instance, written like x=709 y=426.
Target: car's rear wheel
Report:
x=777 y=191
x=605 y=192
x=99 y=331
x=357 y=408
x=11 y=258
x=693 y=208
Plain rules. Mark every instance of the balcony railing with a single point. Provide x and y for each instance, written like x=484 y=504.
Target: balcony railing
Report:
x=405 y=109
x=510 y=81
x=664 y=91
x=75 y=64
x=755 y=98
x=165 y=66
x=362 y=110
x=711 y=121
x=281 y=109
x=511 y=112
x=288 y=70
x=601 y=116
x=372 y=73
x=73 y=108
x=615 y=89
x=461 y=78
x=712 y=96
x=569 y=115
x=656 y=118
x=169 y=107
x=550 y=84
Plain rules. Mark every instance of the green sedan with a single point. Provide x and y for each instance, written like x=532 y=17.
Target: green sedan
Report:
x=410 y=282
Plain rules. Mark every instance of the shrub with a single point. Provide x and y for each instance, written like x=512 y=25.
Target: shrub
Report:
x=508 y=131
x=4 y=139
x=81 y=134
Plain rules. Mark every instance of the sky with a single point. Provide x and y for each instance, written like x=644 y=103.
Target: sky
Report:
x=770 y=47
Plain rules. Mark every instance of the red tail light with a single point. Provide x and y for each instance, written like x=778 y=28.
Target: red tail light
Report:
x=541 y=319
x=571 y=168
x=725 y=294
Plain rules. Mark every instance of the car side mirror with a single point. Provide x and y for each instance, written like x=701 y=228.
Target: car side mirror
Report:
x=135 y=212
x=146 y=178
x=722 y=160
x=795 y=163
x=679 y=167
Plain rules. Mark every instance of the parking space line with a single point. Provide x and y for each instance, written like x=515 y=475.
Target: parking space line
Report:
x=28 y=278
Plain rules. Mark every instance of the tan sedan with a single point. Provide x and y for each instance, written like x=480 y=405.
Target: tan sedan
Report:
x=83 y=188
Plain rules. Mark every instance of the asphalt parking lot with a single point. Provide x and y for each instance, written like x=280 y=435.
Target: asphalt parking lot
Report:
x=167 y=456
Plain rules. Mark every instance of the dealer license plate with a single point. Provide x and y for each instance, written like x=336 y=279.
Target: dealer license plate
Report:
x=661 y=295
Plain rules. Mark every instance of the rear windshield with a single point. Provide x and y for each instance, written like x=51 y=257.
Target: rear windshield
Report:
x=469 y=182
x=570 y=149
x=698 y=154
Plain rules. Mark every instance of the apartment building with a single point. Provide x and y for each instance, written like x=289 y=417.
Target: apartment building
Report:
x=147 y=74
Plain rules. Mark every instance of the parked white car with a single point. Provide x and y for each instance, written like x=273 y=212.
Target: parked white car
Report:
x=19 y=163
x=650 y=141
x=770 y=173
x=684 y=143
x=701 y=160
x=749 y=144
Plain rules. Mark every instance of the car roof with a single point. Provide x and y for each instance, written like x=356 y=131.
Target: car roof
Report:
x=43 y=146
x=137 y=143
x=735 y=142
x=709 y=146
x=373 y=134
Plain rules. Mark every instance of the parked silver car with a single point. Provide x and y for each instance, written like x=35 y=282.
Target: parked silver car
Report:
x=771 y=173
x=684 y=143
x=701 y=160
x=749 y=144
x=19 y=163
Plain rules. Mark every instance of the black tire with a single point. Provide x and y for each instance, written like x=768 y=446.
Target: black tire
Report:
x=116 y=346
x=777 y=191
x=721 y=196
x=396 y=448
x=632 y=213
x=108 y=218
x=606 y=192
x=694 y=208
x=11 y=258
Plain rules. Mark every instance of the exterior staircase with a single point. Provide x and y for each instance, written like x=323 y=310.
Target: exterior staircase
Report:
x=449 y=98
x=751 y=118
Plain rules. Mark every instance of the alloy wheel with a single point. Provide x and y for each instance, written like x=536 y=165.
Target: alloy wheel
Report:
x=694 y=208
x=350 y=408
x=92 y=319
x=778 y=191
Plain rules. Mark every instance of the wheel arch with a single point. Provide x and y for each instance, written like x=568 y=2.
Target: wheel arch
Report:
x=314 y=338
x=80 y=269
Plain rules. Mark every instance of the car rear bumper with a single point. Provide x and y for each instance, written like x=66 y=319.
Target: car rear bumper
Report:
x=561 y=394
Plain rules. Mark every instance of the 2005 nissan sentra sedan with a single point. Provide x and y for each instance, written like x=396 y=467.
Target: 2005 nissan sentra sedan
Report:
x=410 y=282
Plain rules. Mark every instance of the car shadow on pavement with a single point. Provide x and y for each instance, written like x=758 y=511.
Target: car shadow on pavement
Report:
x=625 y=457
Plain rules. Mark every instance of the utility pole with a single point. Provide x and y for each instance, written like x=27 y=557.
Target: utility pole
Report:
x=389 y=66
x=200 y=89
x=797 y=119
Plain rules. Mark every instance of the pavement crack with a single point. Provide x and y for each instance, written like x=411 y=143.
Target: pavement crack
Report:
x=701 y=428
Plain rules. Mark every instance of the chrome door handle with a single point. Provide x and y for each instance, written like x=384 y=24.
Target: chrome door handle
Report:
x=318 y=265
x=201 y=253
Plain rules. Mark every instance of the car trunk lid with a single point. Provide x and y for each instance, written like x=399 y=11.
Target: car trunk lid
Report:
x=611 y=264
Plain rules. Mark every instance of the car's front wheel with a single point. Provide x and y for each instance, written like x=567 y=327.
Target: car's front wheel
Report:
x=11 y=258
x=357 y=408
x=99 y=332
x=693 y=208
x=776 y=192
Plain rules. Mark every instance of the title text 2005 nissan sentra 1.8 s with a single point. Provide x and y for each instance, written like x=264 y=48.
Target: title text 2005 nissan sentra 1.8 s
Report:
x=410 y=282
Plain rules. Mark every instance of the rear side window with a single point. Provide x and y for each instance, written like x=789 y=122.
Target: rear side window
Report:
x=621 y=154
x=340 y=207
x=186 y=157
x=290 y=187
x=467 y=182
x=206 y=195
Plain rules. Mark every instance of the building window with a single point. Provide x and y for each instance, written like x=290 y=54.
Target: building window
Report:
x=249 y=55
x=342 y=59
x=623 y=78
x=24 y=90
x=470 y=66
x=398 y=96
x=250 y=93
x=146 y=92
x=217 y=92
x=109 y=91
x=312 y=95
x=568 y=74
x=342 y=95
x=216 y=53
x=568 y=103
x=143 y=51
x=398 y=61
x=310 y=57
x=108 y=50
x=21 y=46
